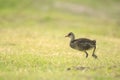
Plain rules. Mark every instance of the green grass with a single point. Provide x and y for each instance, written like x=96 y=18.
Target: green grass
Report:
x=43 y=53
x=33 y=46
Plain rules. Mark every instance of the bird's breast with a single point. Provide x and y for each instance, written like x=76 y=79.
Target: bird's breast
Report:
x=76 y=47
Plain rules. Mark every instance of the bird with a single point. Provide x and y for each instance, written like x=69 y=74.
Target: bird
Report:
x=82 y=44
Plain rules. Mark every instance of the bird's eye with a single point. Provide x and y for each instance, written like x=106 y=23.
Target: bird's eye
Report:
x=69 y=34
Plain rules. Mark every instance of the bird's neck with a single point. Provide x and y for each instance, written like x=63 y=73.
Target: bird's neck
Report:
x=72 y=37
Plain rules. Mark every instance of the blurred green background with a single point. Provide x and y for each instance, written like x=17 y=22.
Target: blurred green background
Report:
x=98 y=16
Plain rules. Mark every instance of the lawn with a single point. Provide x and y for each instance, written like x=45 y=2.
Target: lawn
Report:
x=33 y=44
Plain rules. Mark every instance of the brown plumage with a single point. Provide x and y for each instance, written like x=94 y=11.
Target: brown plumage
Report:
x=82 y=44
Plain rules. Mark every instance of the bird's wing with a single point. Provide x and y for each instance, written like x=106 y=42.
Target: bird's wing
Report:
x=82 y=43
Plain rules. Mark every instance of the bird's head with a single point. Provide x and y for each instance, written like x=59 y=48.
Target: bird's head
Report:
x=69 y=35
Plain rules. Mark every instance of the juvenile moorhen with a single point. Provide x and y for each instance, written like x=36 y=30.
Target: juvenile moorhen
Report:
x=82 y=44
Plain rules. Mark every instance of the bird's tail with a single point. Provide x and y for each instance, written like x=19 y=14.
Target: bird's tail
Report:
x=94 y=42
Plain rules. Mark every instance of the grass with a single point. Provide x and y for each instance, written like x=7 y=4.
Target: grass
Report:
x=30 y=53
x=33 y=46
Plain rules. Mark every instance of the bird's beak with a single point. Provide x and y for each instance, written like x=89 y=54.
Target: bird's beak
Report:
x=66 y=36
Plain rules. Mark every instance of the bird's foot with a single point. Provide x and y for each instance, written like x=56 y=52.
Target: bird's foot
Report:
x=94 y=56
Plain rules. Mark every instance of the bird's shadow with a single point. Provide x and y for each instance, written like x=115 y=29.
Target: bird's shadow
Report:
x=86 y=68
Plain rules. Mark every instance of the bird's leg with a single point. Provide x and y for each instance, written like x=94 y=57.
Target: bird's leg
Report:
x=86 y=54
x=94 y=53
